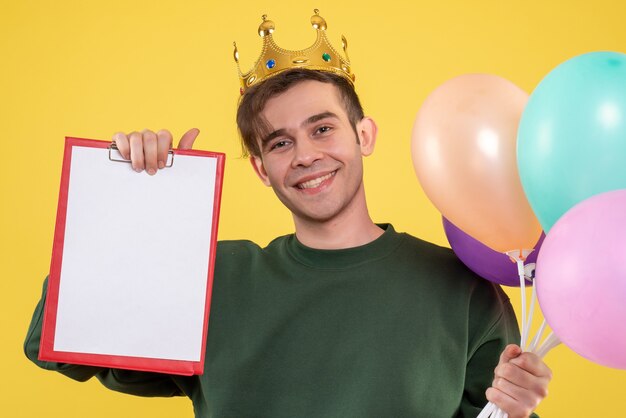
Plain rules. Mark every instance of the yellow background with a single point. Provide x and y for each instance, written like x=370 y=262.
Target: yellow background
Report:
x=88 y=69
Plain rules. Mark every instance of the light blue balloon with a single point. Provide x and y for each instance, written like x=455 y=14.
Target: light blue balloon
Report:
x=572 y=136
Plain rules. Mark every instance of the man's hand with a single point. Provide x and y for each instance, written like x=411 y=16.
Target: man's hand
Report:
x=520 y=382
x=148 y=150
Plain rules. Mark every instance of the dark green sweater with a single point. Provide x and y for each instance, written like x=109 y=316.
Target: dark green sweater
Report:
x=395 y=328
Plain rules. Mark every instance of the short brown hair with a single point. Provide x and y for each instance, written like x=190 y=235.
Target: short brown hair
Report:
x=252 y=125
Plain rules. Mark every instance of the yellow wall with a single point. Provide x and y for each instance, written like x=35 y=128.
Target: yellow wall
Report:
x=88 y=69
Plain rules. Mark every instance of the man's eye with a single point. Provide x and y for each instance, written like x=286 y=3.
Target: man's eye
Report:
x=279 y=144
x=323 y=129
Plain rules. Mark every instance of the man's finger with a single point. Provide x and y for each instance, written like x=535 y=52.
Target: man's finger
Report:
x=532 y=364
x=515 y=374
x=509 y=405
x=136 y=151
x=150 y=151
x=186 y=142
x=123 y=146
x=511 y=389
x=164 y=144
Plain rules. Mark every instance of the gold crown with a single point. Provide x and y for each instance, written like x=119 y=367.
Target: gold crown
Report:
x=274 y=59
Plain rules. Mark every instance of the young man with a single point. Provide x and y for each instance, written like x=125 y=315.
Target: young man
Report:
x=344 y=318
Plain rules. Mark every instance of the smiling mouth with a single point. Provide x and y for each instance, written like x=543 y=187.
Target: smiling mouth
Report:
x=311 y=184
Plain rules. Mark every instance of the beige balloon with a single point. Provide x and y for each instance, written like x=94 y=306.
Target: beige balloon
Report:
x=464 y=153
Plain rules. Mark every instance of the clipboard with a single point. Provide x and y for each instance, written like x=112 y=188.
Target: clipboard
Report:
x=132 y=261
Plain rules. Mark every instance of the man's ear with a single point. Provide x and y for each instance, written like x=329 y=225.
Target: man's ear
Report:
x=367 y=131
x=259 y=169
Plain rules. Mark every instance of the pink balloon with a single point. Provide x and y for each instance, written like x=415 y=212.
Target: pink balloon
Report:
x=581 y=278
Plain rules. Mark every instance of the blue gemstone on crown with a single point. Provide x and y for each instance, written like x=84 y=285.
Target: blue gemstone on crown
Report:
x=270 y=64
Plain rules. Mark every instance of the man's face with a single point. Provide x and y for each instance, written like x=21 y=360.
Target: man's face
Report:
x=312 y=158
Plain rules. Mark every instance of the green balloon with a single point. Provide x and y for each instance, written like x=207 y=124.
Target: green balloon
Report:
x=572 y=136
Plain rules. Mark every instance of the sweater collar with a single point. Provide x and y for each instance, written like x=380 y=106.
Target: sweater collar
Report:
x=344 y=258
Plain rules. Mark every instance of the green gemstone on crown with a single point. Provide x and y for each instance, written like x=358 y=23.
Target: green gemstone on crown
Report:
x=326 y=56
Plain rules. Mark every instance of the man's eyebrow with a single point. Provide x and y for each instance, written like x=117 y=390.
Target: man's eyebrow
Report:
x=318 y=117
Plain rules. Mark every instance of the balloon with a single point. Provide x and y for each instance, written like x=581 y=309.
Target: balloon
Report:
x=482 y=260
x=581 y=278
x=572 y=136
x=463 y=146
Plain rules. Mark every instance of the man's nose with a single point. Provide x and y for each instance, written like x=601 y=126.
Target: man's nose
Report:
x=306 y=152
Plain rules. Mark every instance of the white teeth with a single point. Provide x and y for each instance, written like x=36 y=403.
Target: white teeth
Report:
x=315 y=182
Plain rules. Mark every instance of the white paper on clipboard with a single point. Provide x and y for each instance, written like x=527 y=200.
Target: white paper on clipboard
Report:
x=136 y=257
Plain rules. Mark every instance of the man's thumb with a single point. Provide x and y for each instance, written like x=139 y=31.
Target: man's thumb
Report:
x=510 y=352
x=186 y=142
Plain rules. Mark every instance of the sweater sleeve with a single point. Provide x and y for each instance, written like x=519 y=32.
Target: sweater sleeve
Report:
x=491 y=336
x=126 y=381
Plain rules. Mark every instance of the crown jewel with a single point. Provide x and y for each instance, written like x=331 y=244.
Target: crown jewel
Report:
x=274 y=59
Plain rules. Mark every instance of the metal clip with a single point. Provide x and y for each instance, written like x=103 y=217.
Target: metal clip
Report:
x=113 y=147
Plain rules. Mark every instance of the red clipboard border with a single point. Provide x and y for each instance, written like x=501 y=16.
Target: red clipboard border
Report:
x=46 y=350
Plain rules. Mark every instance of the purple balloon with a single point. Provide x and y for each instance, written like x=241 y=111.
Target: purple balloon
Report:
x=482 y=260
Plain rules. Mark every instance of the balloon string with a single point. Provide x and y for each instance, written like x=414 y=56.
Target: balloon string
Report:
x=533 y=345
x=548 y=344
x=491 y=410
x=530 y=317
x=487 y=410
x=497 y=413
x=522 y=285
